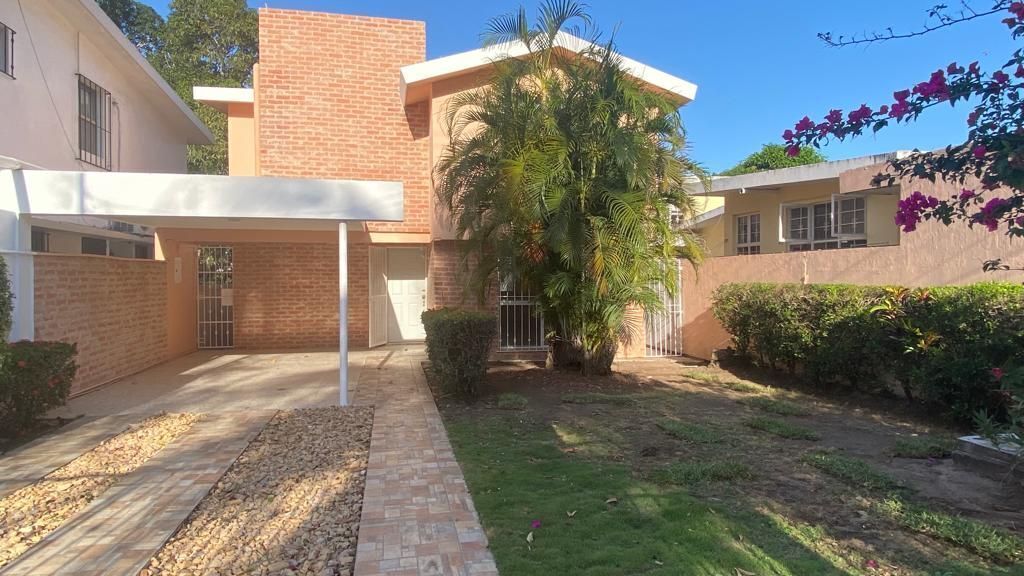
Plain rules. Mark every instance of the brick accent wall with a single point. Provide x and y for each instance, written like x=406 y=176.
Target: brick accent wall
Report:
x=447 y=284
x=114 y=309
x=329 y=105
x=286 y=295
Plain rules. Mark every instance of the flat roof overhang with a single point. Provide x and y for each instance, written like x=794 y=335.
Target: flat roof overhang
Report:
x=201 y=201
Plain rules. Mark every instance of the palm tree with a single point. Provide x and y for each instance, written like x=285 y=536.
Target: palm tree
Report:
x=566 y=172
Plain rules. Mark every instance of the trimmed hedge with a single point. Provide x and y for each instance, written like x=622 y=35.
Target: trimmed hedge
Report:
x=34 y=377
x=458 y=345
x=940 y=344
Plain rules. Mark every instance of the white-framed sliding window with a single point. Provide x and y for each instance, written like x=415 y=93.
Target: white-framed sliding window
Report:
x=839 y=223
x=748 y=234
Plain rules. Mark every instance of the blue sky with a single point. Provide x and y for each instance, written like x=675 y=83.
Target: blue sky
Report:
x=758 y=65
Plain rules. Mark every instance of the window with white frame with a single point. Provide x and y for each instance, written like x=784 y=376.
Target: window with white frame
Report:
x=811 y=227
x=748 y=234
x=6 y=50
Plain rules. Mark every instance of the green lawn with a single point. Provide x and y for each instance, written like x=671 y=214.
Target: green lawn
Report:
x=518 y=474
x=610 y=478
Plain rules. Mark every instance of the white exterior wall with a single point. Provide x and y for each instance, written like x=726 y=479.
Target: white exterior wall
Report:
x=40 y=106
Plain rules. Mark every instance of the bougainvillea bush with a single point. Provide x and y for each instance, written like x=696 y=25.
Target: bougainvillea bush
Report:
x=989 y=165
x=944 y=346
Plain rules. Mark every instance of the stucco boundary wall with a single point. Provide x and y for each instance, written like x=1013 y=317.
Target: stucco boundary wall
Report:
x=933 y=255
x=114 y=309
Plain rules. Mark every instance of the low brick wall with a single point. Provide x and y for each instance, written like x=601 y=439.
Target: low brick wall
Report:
x=114 y=309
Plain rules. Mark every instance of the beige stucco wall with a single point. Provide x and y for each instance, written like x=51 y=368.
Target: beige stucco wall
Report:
x=931 y=256
x=880 y=207
x=242 y=140
x=40 y=120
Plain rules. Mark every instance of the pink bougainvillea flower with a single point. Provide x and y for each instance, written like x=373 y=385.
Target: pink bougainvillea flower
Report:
x=884 y=109
x=901 y=95
x=972 y=118
x=871 y=565
x=974 y=68
x=909 y=210
x=1017 y=9
x=804 y=124
x=787 y=135
x=1019 y=73
x=935 y=87
x=979 y=151
x=860 y=114
x=535 y=524
x=966 y=194
x=899 y=109
x=834 y=116
x=997 y=374
x=1000 y=77
x=1019 y=221
x=991 y=212
x=952 y=68
x=792 y=150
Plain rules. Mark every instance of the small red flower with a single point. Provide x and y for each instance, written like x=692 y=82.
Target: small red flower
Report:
x=997 y=374
x=22 y=364
x=535 y=524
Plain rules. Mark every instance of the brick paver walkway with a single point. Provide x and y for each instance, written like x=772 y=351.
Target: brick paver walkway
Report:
x=119 y=532
x=23 y=466
x=418 y=518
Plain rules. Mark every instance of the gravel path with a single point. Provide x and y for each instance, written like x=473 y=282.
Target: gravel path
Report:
x=289 y=505
x=29 y=514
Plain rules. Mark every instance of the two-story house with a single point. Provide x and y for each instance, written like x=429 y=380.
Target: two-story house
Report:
x=76 y=95
x=340 y=96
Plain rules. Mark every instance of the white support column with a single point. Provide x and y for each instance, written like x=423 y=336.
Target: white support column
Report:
x=343 y=311
x=16 y=249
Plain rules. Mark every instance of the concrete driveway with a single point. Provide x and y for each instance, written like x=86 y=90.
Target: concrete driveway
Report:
x=228 y=380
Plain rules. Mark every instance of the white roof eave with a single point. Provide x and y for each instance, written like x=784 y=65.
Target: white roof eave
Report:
x=447 y=66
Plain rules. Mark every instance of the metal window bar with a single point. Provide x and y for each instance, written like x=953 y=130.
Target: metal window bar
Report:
x=7 y=50
x=663 y=329
x=215 y=297
x=521 y=325
x=94 y=134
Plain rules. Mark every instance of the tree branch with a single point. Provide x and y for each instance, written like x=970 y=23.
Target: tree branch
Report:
x=937 y=12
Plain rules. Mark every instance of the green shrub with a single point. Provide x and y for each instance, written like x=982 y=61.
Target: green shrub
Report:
x=6 y=302
x=459 y=345
x=939 y=343
x=34 y=377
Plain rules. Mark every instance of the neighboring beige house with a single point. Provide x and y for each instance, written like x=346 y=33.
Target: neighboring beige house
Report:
x=826 y=223
x=76 y=95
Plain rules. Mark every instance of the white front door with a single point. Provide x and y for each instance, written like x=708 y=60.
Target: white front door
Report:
x=407 y=293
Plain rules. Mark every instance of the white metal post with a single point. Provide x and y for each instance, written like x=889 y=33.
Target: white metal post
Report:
x=343 y=311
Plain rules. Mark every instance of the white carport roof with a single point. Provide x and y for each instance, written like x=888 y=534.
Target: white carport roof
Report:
x=187 y=201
